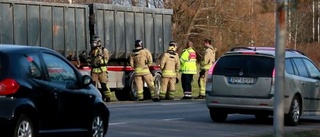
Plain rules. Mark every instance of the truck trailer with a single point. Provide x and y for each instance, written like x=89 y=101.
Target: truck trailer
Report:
x=67 y=29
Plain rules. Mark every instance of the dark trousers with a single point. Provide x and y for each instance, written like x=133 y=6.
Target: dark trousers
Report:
x=186 y=80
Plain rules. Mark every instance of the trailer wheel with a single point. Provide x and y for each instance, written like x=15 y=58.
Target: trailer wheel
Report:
x=146 y=92
x=122 y=95
x=157 y=82
x=132 y=90
x=157 y=86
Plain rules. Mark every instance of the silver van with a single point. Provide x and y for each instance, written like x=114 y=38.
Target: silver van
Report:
x=242 y=81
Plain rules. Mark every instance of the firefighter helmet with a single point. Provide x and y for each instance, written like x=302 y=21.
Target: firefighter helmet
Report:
x=96 y=41
x=138 y=43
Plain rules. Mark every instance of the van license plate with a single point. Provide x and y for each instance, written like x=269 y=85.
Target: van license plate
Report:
x=241 y=80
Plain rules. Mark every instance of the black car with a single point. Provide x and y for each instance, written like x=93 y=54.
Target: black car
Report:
x=42 y=92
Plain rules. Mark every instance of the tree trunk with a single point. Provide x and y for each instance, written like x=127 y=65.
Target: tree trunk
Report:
x=191 y=24
x=134 y=2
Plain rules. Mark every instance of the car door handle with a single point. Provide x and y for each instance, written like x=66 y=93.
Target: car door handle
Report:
x=55 y=93
x=303 y=82
x=317 y=84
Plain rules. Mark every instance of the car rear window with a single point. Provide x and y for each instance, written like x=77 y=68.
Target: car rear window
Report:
x=246 y=66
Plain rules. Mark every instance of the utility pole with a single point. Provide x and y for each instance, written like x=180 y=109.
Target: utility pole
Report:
x=278 y=110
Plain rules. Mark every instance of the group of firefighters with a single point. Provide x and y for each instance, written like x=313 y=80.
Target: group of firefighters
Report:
x=170 y=63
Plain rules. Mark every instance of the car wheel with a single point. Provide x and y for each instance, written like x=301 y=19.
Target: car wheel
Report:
x=293 y=117
x=98 y=126
x=24 y=127
x=261 y=116
x=217 y=115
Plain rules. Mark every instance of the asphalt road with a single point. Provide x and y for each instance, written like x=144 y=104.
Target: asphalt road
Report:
x=187 y=119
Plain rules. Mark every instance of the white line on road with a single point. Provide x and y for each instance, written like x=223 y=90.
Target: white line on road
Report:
x=119 y=123
x=115 y=105
x=172 y=119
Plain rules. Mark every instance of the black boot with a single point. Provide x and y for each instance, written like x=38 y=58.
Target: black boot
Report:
x=185 y=97
x=107 y=99
x=200 y=97
x=156 y=99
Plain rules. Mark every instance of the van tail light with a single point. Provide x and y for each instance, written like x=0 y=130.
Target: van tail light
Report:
x=209 y=77
x=273 y=76
x=8 y=86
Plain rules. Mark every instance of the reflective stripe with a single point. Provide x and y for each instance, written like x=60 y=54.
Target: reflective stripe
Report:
x=206 y=67
x=96 y=70
x=103 y=65
x=169 y=73
x=191 y=61
x=188 y=71
x=171 y=94
x=104 y=68
x=141 y=70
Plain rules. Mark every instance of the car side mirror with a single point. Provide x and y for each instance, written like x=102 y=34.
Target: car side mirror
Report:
x=86 y=80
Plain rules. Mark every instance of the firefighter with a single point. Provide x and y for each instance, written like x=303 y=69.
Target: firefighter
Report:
x=205 y=64
x=141 y=60
x=188 y=68
x=99 y=59
x=170 y=65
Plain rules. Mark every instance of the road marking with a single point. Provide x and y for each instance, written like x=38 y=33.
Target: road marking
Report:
x=119 y=123
x=117 y=105
x=172 y=119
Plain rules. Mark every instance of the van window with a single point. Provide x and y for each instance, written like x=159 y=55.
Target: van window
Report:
x=245 y=65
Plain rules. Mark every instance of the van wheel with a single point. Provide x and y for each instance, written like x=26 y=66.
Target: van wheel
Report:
x=293 y=117
x=24 y=127
x=218 y=115
x=98 y=127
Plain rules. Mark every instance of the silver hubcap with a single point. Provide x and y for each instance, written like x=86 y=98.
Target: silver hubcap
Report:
x=25 y=129
x=97 y=127
x=158 y=86
x=295 y=110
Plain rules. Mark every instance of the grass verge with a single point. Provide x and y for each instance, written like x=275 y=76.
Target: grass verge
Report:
x=179 y=91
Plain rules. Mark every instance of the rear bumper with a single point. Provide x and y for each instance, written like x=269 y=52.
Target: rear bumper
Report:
x=241 y=105
x=7 y=127
x=8 y=106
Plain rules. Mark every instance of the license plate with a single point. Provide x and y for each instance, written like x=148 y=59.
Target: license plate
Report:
x=241 y=80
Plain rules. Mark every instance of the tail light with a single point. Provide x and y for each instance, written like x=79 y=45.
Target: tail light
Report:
x=209 y=77
x=273 y=76
x=8 y=86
